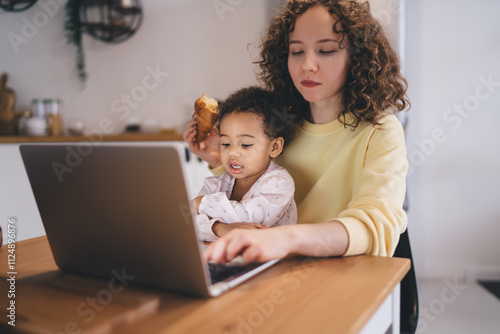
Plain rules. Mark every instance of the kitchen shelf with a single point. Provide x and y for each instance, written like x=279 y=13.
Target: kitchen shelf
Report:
x=108 y=30
x=105 y=138
x=110 y=21
x=133 y=10
x=128 y=10
x=16 y=5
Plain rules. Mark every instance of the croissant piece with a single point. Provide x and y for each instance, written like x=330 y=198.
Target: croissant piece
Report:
x=205 y=110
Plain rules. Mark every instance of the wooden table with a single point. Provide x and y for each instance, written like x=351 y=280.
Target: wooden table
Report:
x=297 y=295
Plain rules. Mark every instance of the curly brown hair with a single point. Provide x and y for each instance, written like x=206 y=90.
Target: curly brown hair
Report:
x=261 y=102
x=374 y=85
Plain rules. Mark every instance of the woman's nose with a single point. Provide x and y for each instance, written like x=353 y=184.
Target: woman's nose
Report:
x=310 y=62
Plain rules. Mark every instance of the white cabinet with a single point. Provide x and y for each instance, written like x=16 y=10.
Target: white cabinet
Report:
x=16 y=197
x=17 y=200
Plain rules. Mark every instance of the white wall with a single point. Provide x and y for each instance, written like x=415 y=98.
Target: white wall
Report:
x=453 y=187
x=16 y=198
x=202 y=49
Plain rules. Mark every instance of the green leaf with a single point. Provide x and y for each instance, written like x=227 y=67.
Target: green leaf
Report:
x=73 y=29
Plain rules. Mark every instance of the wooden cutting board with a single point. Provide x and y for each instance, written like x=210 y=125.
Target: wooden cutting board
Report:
x=7 y=101
x=59 y=302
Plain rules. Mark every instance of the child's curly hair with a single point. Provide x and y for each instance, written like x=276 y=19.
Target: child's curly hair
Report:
x=259 y=101
x=374 y=84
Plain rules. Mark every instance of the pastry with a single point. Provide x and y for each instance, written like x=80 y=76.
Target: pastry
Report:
x=205 y=111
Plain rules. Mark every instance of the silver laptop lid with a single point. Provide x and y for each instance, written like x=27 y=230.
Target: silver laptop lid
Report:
x=124 y=209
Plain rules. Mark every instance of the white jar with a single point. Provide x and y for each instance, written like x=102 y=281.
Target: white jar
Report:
x=22 y=128
x=38 y=107
x=36 y=126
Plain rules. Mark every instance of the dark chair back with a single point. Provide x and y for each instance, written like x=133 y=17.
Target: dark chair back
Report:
x=409 y=295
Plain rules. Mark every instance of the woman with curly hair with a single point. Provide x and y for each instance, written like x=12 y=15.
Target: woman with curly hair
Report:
x=333 y=63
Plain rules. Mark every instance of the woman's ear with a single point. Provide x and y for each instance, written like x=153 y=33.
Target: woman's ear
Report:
x=276 y=147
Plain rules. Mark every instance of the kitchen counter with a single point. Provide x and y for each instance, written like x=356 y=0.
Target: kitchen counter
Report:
x=92 y=138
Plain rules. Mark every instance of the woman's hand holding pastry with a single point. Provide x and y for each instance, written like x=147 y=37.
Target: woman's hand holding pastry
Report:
x=209 y=149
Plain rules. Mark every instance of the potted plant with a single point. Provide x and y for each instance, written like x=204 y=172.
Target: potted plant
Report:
x=73 y=28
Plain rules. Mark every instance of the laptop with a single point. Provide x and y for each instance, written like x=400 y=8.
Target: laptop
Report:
x=124 y=209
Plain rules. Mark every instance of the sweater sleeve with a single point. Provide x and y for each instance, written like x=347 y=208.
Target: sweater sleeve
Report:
x=265 y=203
x=202 y=222
x=211 y=185
x=204 y=227
x=375 y=217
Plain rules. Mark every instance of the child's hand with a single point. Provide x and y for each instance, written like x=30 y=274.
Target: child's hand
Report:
x=221 y=229
x=197 y=201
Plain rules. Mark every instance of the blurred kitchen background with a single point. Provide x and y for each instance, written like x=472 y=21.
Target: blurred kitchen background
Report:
x=451 y=55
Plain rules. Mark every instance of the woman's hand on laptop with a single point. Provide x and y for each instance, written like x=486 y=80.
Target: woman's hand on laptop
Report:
x=252 y=244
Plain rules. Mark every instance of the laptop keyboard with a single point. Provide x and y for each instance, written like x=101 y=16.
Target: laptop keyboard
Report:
x=219 y=271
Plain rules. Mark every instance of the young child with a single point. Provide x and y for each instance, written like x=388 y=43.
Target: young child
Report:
x=255 y=192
